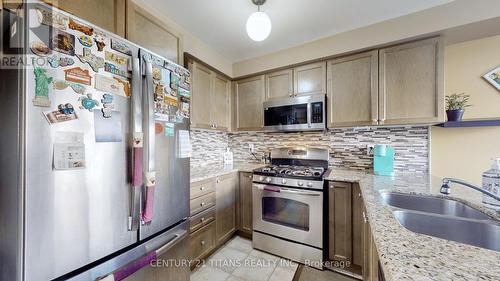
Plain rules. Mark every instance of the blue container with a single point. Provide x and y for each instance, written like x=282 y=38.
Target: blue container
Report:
x=383 y=160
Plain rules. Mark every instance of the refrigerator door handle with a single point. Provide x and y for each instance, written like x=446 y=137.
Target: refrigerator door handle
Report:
x=146 y=260
x=137 y=146
x=147 y=212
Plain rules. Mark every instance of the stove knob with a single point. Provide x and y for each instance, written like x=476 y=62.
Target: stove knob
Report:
x=261 y=178
x=310 y=184
x=300 y=183
x=268 y=179
x=283 y=181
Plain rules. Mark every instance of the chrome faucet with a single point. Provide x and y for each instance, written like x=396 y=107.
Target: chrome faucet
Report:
x=445 y=188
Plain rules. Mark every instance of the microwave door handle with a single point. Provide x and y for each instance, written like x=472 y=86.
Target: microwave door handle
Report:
x=309 y=124
x=150 y=176
x=137 y=145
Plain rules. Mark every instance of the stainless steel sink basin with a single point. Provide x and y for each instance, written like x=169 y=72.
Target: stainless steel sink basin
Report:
x=480 y=233
x=432 y=205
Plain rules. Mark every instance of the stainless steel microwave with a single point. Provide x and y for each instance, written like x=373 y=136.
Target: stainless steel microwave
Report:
x=303 y=113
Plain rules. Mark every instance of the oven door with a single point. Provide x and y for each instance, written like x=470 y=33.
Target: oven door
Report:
x=288 y=213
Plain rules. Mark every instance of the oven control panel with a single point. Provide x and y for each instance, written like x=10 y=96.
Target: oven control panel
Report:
x=308 y=184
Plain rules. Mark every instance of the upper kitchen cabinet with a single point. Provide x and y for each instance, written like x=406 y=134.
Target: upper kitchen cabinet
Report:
x=249 y=96
x=201 y=94
x=220 y=102
x=210 y=98
x=279 y=84
x=108 y=14
x=353 y=90
x=411 y=83
x=152 y=33
x=310 y=79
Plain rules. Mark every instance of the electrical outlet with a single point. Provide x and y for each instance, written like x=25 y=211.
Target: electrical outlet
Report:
x=251 y=147
x=369 y=149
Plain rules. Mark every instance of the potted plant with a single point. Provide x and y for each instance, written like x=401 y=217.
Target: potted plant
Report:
x=455 y=106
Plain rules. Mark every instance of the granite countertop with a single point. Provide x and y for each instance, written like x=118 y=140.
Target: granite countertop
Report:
x=210 y=171
x=406 y=255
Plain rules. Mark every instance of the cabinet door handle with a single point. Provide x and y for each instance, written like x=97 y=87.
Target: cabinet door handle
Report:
x=202 y=242
x=202 y=219
x=202 y=188
x=365 y=218
x=218 y=180
x=250 y=176
x=202 y=204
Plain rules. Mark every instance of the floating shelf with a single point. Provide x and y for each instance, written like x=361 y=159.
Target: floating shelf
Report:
x=470 y=123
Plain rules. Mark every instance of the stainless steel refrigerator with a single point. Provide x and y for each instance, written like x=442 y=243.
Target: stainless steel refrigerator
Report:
x=94 y=144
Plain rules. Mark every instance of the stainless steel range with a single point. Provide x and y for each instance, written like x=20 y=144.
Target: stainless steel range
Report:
x=288 y=204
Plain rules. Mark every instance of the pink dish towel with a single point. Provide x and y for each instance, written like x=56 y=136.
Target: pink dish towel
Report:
x=147 y=213
x=137 y=171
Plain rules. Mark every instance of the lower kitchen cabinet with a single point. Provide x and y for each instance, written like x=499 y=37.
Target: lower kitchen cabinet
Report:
x=370 y=255
x=345 y=227
x=202 y=242
x=245 y=205
x=225 y=191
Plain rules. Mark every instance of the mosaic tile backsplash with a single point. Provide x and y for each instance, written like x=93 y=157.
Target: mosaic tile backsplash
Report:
x=347 y=146
x=207 y=147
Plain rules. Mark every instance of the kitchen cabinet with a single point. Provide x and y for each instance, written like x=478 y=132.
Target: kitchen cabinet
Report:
x=210 y=98
x=279 y=84
x=345 y=226
x=202 y=242
x=245 y=205
x=370 y=258
x=411 y=83
x=151 y=32
x=249 y=97
x=225 y=221
x=220 y=109
x=352 y=95
x=107 y=14
x=201 y=81
x=310 y=79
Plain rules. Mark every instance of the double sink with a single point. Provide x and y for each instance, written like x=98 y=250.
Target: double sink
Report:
x=444 y=218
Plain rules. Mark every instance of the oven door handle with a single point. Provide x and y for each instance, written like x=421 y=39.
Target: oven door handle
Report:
x=300 y=192
x=286 y=190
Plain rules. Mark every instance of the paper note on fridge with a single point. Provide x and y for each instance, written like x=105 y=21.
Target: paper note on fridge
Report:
x=69 y=156
x=183 y=144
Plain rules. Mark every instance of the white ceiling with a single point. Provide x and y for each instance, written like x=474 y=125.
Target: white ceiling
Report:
x=221 y=23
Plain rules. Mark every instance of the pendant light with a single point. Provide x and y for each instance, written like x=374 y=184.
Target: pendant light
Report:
x=259 y=23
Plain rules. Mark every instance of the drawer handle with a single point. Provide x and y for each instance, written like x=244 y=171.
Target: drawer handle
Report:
x=202 y=204
x=202 y=219
x=202 y=242
x=202 y=188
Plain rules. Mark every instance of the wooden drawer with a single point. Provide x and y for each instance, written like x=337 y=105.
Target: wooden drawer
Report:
x=202 y=203
x=201 y=219
x=202 y=241
x=201 y=188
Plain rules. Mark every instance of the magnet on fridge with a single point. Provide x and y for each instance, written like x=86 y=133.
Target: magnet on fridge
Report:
x=107 y=104
x=80 y=27
x=79 y=89
x=42 y=87
x=100 y=44
x=156 y=73
x=87 y=102
x=66 y=109
x=85 y=41
x=56 y=61
x=94 y=61
x=62 y=42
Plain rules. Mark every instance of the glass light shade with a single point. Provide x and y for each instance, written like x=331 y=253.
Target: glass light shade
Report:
x=258 y=26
